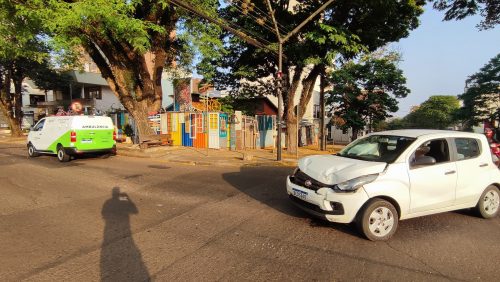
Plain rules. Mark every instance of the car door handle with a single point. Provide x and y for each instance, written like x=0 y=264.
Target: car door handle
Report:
x=483 y=165
x=449 y=172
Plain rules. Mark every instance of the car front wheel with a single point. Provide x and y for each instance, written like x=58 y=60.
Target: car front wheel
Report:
x=489 y=203
x=378 y=220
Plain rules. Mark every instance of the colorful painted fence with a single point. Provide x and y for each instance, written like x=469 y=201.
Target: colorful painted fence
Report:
x=216 y=130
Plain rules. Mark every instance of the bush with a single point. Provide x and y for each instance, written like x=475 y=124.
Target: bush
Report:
x=127 y=129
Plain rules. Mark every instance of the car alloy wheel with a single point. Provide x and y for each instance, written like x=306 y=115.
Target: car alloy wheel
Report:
x=381 y=221
x=491 y=202
x=378 y=220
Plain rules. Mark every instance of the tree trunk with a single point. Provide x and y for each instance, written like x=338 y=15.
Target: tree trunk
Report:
x=290 y=114
x=140 y=114
x=305 y=97
x=291 y=128
x=133 y=76
x=7 y=105
x=354 y=134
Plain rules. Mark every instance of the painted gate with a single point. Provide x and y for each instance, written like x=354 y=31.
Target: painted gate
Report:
x=213 y=130
x=223 y=131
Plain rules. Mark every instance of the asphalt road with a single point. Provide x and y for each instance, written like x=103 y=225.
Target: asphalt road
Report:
x=127 y=219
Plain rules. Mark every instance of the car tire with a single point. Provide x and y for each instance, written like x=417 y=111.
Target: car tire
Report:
x=62 y=156
x=489 y=203
x=32 y=153
x=378 y=220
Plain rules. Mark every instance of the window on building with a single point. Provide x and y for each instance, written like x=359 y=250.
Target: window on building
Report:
x=317 y=111
x=92 y=93
x=34 y=99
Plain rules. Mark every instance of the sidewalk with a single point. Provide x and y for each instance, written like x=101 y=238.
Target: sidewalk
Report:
x=204 y=157
x=195 y=156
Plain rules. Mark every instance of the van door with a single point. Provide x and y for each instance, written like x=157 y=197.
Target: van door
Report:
x=36 y=135
x=432 y=186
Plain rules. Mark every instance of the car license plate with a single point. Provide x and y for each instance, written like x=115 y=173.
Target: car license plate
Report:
x=299 y=194
x=86 y=141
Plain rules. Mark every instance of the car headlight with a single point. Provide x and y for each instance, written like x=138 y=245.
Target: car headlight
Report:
x=355 y=183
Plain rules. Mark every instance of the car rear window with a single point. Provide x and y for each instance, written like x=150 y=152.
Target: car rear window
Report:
x=467 y=148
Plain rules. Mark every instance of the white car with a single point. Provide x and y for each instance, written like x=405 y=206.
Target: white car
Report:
x=395 y=175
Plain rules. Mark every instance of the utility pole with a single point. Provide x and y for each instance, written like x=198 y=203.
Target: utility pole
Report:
x=281 y=41
x=322 y=86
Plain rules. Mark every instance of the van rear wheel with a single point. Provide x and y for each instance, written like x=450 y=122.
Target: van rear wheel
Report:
x=32 y=151
x=61 y=155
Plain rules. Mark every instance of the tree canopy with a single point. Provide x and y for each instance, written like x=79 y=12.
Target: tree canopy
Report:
x=366 y=92
x=131 y=42
x=23 y=53
x=345 y=29
x=437 y=112
x=481 y=99
x=460 y=9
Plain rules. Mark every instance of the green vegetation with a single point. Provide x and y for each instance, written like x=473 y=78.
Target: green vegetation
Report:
x=365 y=93
x=481 y=99
x=131 y=42
x=343 y=31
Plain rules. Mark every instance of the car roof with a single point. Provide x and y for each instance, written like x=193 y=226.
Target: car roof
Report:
x=415 y=133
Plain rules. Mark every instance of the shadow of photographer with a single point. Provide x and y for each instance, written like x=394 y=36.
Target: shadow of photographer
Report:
x=121 y=260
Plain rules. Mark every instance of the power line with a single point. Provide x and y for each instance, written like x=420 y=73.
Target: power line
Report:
x=265 y=15
x=257 y=19
x=224 y=24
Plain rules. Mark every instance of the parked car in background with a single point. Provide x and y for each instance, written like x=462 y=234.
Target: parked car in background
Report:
x=390 y=176
x=67 y=136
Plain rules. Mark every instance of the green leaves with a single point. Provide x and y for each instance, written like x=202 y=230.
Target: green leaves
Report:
x=366 y=92
x=481 y=99
x=438 y=112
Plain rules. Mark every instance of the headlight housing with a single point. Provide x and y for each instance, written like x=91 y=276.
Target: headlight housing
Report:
x=355 y=183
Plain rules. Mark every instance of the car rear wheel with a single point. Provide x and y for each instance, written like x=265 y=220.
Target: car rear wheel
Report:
x=489 y=203
x=378 y=220
x=32 y=151
x=61 y=155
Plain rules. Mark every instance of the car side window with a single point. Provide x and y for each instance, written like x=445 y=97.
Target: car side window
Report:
x=467 y=148
x=435 y=151
x=39 y=125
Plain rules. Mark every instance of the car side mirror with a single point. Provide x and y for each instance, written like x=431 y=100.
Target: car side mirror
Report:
x=424 y=160
x=32 y=128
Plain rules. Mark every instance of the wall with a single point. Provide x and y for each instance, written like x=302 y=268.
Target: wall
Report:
x=108 y=100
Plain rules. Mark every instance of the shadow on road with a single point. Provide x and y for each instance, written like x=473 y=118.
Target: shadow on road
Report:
x=121 y=260
x=268 y=185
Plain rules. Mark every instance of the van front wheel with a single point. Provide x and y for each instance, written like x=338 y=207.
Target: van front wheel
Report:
x=32 y=151
x=61 y=155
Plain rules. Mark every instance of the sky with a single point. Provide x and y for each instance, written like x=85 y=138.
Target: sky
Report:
x=438 y=56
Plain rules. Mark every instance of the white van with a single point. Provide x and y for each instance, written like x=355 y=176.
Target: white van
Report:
x=67 y=136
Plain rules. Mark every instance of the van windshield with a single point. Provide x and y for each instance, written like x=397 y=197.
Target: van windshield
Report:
x=377 y=148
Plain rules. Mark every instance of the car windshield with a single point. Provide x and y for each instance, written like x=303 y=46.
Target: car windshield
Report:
x=377 y=148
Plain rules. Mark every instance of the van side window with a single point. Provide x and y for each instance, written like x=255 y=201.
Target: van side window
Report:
x=467 y=148
x=39 y=125
x=437 y=149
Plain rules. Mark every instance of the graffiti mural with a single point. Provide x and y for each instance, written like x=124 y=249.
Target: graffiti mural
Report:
x=182 y=94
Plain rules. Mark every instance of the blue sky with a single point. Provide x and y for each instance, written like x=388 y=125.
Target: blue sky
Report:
x=439 y=56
